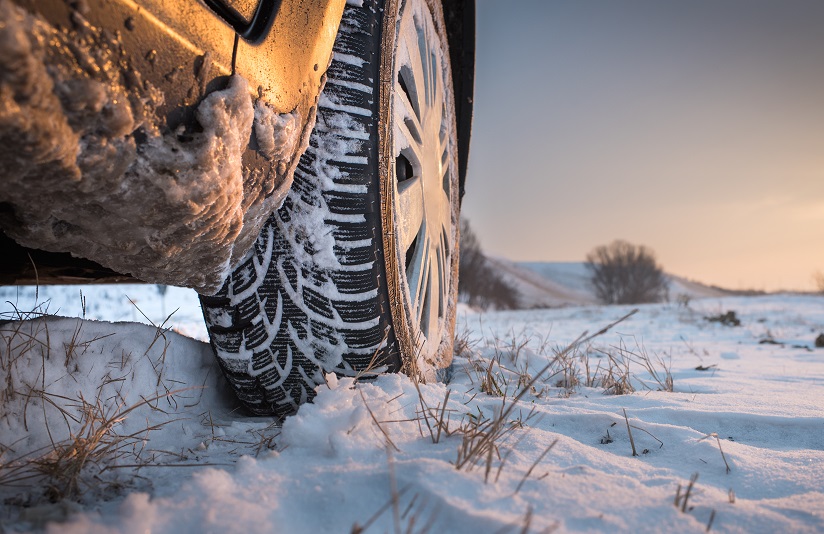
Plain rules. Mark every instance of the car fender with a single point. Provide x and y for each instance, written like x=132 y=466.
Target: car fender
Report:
x=131 y=100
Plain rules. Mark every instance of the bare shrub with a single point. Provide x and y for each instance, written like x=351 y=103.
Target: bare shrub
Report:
x=818 y=279
x=726 y=319
x=623 y=273
x=479 y=284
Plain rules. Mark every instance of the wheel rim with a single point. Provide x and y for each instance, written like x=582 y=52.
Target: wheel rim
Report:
x=422 y=177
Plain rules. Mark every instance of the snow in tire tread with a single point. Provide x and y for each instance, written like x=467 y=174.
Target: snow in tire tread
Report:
x=310 y=297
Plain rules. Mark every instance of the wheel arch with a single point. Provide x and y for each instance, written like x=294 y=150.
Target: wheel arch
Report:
x=284 y=66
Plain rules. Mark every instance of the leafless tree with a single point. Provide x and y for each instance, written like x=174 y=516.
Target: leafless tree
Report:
x=818 y=278
x=623 y=273
x=479 y=284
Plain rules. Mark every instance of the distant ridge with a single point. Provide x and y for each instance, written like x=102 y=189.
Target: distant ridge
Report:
x=558 y=284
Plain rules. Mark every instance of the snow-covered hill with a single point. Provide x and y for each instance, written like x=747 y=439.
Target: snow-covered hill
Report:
x=555 y=284
x=546 y=285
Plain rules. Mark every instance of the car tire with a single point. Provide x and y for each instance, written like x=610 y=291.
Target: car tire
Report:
x=356 y=273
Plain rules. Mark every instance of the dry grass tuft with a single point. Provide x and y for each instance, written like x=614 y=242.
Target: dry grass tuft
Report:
x=86 y=440
x=501 y=367
x=465 y=345
x=682 y=495
x=482 y=436
x=70 y=466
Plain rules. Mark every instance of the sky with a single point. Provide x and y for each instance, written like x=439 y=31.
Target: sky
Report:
x=694 y=128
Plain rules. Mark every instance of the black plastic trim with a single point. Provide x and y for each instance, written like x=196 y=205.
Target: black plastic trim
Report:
x=460 y=28
x=252 y=31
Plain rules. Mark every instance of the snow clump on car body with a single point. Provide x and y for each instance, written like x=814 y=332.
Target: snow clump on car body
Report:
x=92 y=168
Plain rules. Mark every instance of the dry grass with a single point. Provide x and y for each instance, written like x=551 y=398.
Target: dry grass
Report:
x=629 y=431
x=465 y=345
x=68 y=467
x=86 y=440
x=501 y=369
x=616 y=378
x=534 y=464
x=416 y=517
x=493 y=381
x=501 y=366
x=481 y=436
x=682 y=498
x=718 y=440
x=568 y=369
x=659 y=369
x=485 y=440
x=683 y=494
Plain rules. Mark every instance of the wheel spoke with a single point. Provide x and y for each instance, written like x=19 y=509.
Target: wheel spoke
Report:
x=418 y=281
x=423 y=57
x=434 y=293
x=414 y=131
x=410 y=204
x=436 y=296
x=414 y=75
x=437 y=89
x=444 y=272
x=413 y=139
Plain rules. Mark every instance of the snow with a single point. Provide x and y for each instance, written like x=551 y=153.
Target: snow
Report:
x=546 y=285
x=362 y=454
x=176 y=308
x=554 y=284
x=276 y=134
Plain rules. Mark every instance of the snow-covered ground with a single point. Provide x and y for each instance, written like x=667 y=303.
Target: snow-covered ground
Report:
x=176 y=308
x=502 y=447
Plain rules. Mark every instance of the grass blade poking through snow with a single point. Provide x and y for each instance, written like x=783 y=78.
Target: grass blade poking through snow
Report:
x=529 y=472
x=481 y=435
x=682 y=500
x=718 y=440
x=629 y=431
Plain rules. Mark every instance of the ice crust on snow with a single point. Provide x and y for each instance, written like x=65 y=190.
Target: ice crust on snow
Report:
x=91 y=169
